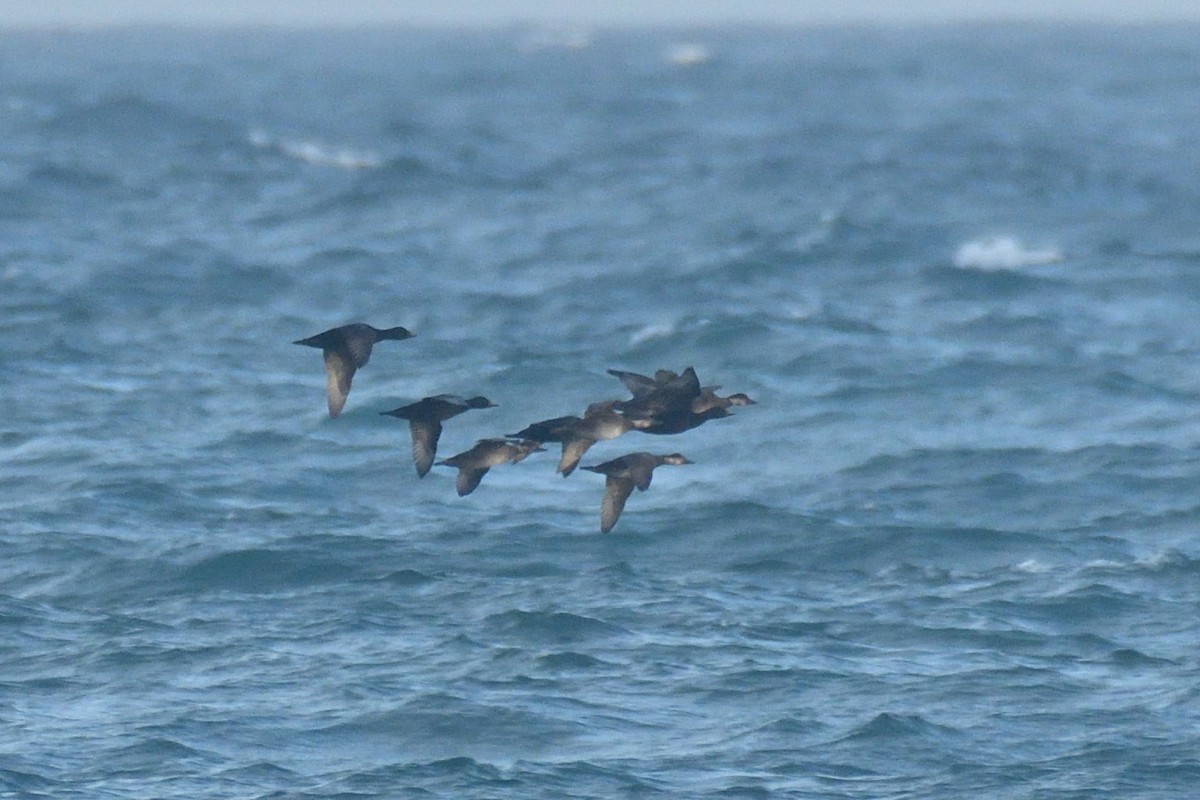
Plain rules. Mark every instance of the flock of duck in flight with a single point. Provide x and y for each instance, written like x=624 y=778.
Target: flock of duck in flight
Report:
x=667 y=403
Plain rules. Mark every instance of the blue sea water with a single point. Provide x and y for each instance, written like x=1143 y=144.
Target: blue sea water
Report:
x=952 y=552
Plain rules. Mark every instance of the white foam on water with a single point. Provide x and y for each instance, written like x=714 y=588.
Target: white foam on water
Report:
x=688 y=54
x=657 y=330
x=1003 y=252
x=317 y=153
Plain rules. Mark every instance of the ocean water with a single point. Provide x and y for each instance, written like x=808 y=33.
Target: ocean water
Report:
x=953 y=551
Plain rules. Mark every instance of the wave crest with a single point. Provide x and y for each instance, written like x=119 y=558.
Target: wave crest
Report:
x=317 y=153
x=1003 y=253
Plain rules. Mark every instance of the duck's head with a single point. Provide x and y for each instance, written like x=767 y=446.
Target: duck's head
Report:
x=397 y=333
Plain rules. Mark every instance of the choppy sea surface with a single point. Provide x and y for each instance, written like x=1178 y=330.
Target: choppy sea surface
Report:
x=954 y=551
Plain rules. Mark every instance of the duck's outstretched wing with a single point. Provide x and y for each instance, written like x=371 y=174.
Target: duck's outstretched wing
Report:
x=642 y=478
x=357 y=344
x=637 y=384
x=325 y=340
x=689 y=382
x=616 y=492
x=572 y=451
x=339 y=373
x=425 y=434
x=468 y=480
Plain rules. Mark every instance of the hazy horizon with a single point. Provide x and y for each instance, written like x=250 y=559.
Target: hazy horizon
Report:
x=309 y=13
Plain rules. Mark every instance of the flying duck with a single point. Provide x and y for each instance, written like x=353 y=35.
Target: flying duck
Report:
x=346 y=348
x=425 y=418
x=473 y=464
x=621 y=475
x=600 y=422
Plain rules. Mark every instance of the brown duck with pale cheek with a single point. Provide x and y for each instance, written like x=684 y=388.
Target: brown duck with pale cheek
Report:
x=621 y=475
x=599 y=423
x=473 y=464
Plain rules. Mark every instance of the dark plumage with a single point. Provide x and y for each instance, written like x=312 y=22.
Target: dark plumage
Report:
x=680 y=421
x=473 y=464
x=705 y=406
x=425 y=418
x=637 y=384
x=672 y=403
x=621 y=475
x=548 y=430
x=664 y=394
x=346 y=349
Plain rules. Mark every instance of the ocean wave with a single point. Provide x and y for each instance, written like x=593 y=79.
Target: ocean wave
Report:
x=1130 y=658
x=396 y=178
x=449 y=726
x=458 y=767
x=688 y=54
x=1085 y=604
x=132 y=121
x=440 y=776
x=887 y=727
x=264 y=570
x=964 y=480
x=73 y=178
x=569 y=662
x=148 y=755
x=406 y=578
x=52 y=188
x=317 y=153
x=1003 y=253
x=29 y=784
x=651 y=331
x=544 y=627
x=259 y=773
x=1170 y=561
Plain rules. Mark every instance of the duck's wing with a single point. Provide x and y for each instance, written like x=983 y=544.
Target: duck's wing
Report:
x=572 y=451
x=637 y=384
x=524 y=449
x=339 y=373
x=616 y=492
x=425 y=435
x=689 y=382
x=468 y=480
x=446 y=406
x=357 y=344
x=642 y=477
x=323 y=340
x=404 y=412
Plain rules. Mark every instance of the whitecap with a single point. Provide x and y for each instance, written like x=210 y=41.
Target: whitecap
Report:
x=322 y=155
x=317 y=153
x=652 y=331
x=1103 y=564
x=260 y=138
x=688 y=54
x=1003 y=252
x=1166 y=559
